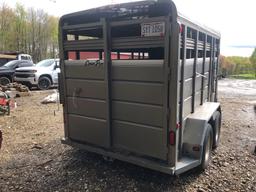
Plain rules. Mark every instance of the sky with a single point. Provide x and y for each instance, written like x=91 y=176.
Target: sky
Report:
x=234 y=19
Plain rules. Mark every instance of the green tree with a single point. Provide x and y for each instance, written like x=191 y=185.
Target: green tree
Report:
x=253 y=61
x=28 y=30
x=53 y=29
x=20 y=28
x=235 y=65
x=6 y=28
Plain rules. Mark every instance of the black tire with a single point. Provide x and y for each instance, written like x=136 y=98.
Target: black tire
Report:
x=44 y=83
x=207 y=148
x=216 y=125
x=4 y=80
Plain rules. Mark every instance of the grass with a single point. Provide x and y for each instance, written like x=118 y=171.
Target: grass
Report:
x=244 y=76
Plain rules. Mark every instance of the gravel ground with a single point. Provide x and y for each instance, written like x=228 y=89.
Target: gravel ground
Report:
x=33 y=159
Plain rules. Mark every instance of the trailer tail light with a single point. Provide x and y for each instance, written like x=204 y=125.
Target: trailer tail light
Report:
x=172 y=138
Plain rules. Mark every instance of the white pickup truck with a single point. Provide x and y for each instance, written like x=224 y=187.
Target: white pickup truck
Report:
x=43 y=75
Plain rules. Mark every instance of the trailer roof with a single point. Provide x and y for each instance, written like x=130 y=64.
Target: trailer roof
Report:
x=183 y=19
x=137 y=9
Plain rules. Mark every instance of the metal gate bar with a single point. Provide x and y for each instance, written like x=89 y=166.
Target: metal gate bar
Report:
x=107 y=79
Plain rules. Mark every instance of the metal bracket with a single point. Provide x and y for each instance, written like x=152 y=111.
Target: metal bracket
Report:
x=201 y=75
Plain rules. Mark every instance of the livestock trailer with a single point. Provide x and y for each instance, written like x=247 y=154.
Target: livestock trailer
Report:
x=157 y=109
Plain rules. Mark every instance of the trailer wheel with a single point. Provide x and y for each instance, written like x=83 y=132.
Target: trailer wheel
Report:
x=207 y=148
x=216 y=124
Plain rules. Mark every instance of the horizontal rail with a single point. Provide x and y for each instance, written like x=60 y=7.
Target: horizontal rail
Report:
x=92 y=44
x=137 y=42
x=137 y=21
x=87 y=26
x=117 y=43
x=190 y=44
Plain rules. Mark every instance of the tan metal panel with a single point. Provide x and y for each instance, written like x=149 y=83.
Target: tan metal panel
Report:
x=205 y=94
x=199 y=65
x=207 y=64
x=187 y=107
x=89 y=130
x=139 y=139
x=151 y=93
x=188 y=85
x=86 y=88
x=138 y=70
x=138 y=113
x=79 y=69
x=198 y=83
x=206 y=78
x=188 y=69
x=197 y=99
x=87 y=107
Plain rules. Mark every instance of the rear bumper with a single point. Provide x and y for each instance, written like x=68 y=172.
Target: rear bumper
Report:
x=136 y=160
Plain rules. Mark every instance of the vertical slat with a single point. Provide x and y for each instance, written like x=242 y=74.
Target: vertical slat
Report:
x=77 y=52
x=210 y=74
x=212 y=70
x=194 y=72
x=203 y=69
x=217 y=70
x=107 y=69
x=173 y=89
x=166 y=81
x=184 y=55
x=63 y=56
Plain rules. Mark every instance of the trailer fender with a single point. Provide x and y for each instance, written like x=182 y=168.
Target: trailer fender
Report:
x=214 y=114
x=195 y=129
x=193 y=137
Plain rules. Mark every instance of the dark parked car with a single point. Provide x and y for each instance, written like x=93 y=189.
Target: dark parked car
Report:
x=7 y=71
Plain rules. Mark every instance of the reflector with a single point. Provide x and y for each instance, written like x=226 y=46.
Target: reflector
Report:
x=172 y=137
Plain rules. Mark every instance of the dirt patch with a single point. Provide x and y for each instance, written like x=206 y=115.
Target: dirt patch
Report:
x=33 y=159
x=237 y=87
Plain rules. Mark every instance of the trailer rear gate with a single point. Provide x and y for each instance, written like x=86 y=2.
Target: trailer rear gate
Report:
x=131 y=106
x=136 y=105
